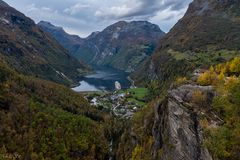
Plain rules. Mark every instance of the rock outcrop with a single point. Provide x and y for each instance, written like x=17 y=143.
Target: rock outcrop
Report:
x=176 y=127
x=171 y=129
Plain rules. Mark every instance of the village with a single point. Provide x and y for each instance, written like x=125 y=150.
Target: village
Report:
x=120 y=103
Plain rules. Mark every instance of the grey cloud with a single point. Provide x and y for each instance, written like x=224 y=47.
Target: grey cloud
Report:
x=177 y=5
x=85 y=16
x=140 y=8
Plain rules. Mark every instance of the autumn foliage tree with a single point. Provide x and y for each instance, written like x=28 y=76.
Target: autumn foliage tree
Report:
x=208 y=77
x=224 y=141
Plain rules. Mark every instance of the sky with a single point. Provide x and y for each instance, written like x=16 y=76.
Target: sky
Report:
x=83 y=17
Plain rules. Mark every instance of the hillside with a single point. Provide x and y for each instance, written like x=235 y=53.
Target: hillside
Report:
x=43 y=120
x=207 y=34
x=32 y=51
x=207 y=26
x=123 y=45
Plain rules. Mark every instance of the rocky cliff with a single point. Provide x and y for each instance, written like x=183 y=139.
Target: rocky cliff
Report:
x=174 y=125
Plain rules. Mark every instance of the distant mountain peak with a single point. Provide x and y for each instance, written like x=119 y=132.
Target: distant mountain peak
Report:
x=121 y=23
x=123 y=45
x=49 y=25
x=132 y=25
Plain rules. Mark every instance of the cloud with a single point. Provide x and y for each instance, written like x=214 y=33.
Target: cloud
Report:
x=144 y=9
x=85 y=16
x=129 y=10
x=77 y=8
x=167 y=18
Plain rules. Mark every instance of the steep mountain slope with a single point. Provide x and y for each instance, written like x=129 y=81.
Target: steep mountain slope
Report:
x=208 y=33
x=32 y=51
x=207 y=25
x=123 y=45
x=43 y=120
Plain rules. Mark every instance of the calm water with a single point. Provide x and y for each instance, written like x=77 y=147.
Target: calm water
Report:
x=103 y=79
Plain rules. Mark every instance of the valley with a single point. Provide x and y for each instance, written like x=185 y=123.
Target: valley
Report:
x=100 y=90
x=123 y=45
x=127 y=92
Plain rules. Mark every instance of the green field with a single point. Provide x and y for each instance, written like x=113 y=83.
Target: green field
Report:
x=136 y=95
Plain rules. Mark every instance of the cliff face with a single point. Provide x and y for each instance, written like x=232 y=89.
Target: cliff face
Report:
x=176 y=128
x=172 y=129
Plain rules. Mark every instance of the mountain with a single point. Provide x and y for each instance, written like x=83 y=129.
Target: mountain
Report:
x=32 y=51
x=196 y=118
x=70 y=42
x=209 y=33
x=207 y=25
x=123 y=45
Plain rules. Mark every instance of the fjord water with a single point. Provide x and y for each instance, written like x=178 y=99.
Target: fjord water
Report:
x=103 y=79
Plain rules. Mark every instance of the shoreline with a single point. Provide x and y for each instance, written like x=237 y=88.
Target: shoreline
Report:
x=128 y=83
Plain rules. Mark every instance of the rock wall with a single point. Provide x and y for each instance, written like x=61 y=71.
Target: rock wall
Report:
x=170 y=129
x=176 y=127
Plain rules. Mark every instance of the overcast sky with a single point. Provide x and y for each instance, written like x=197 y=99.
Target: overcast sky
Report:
x=85 y=16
